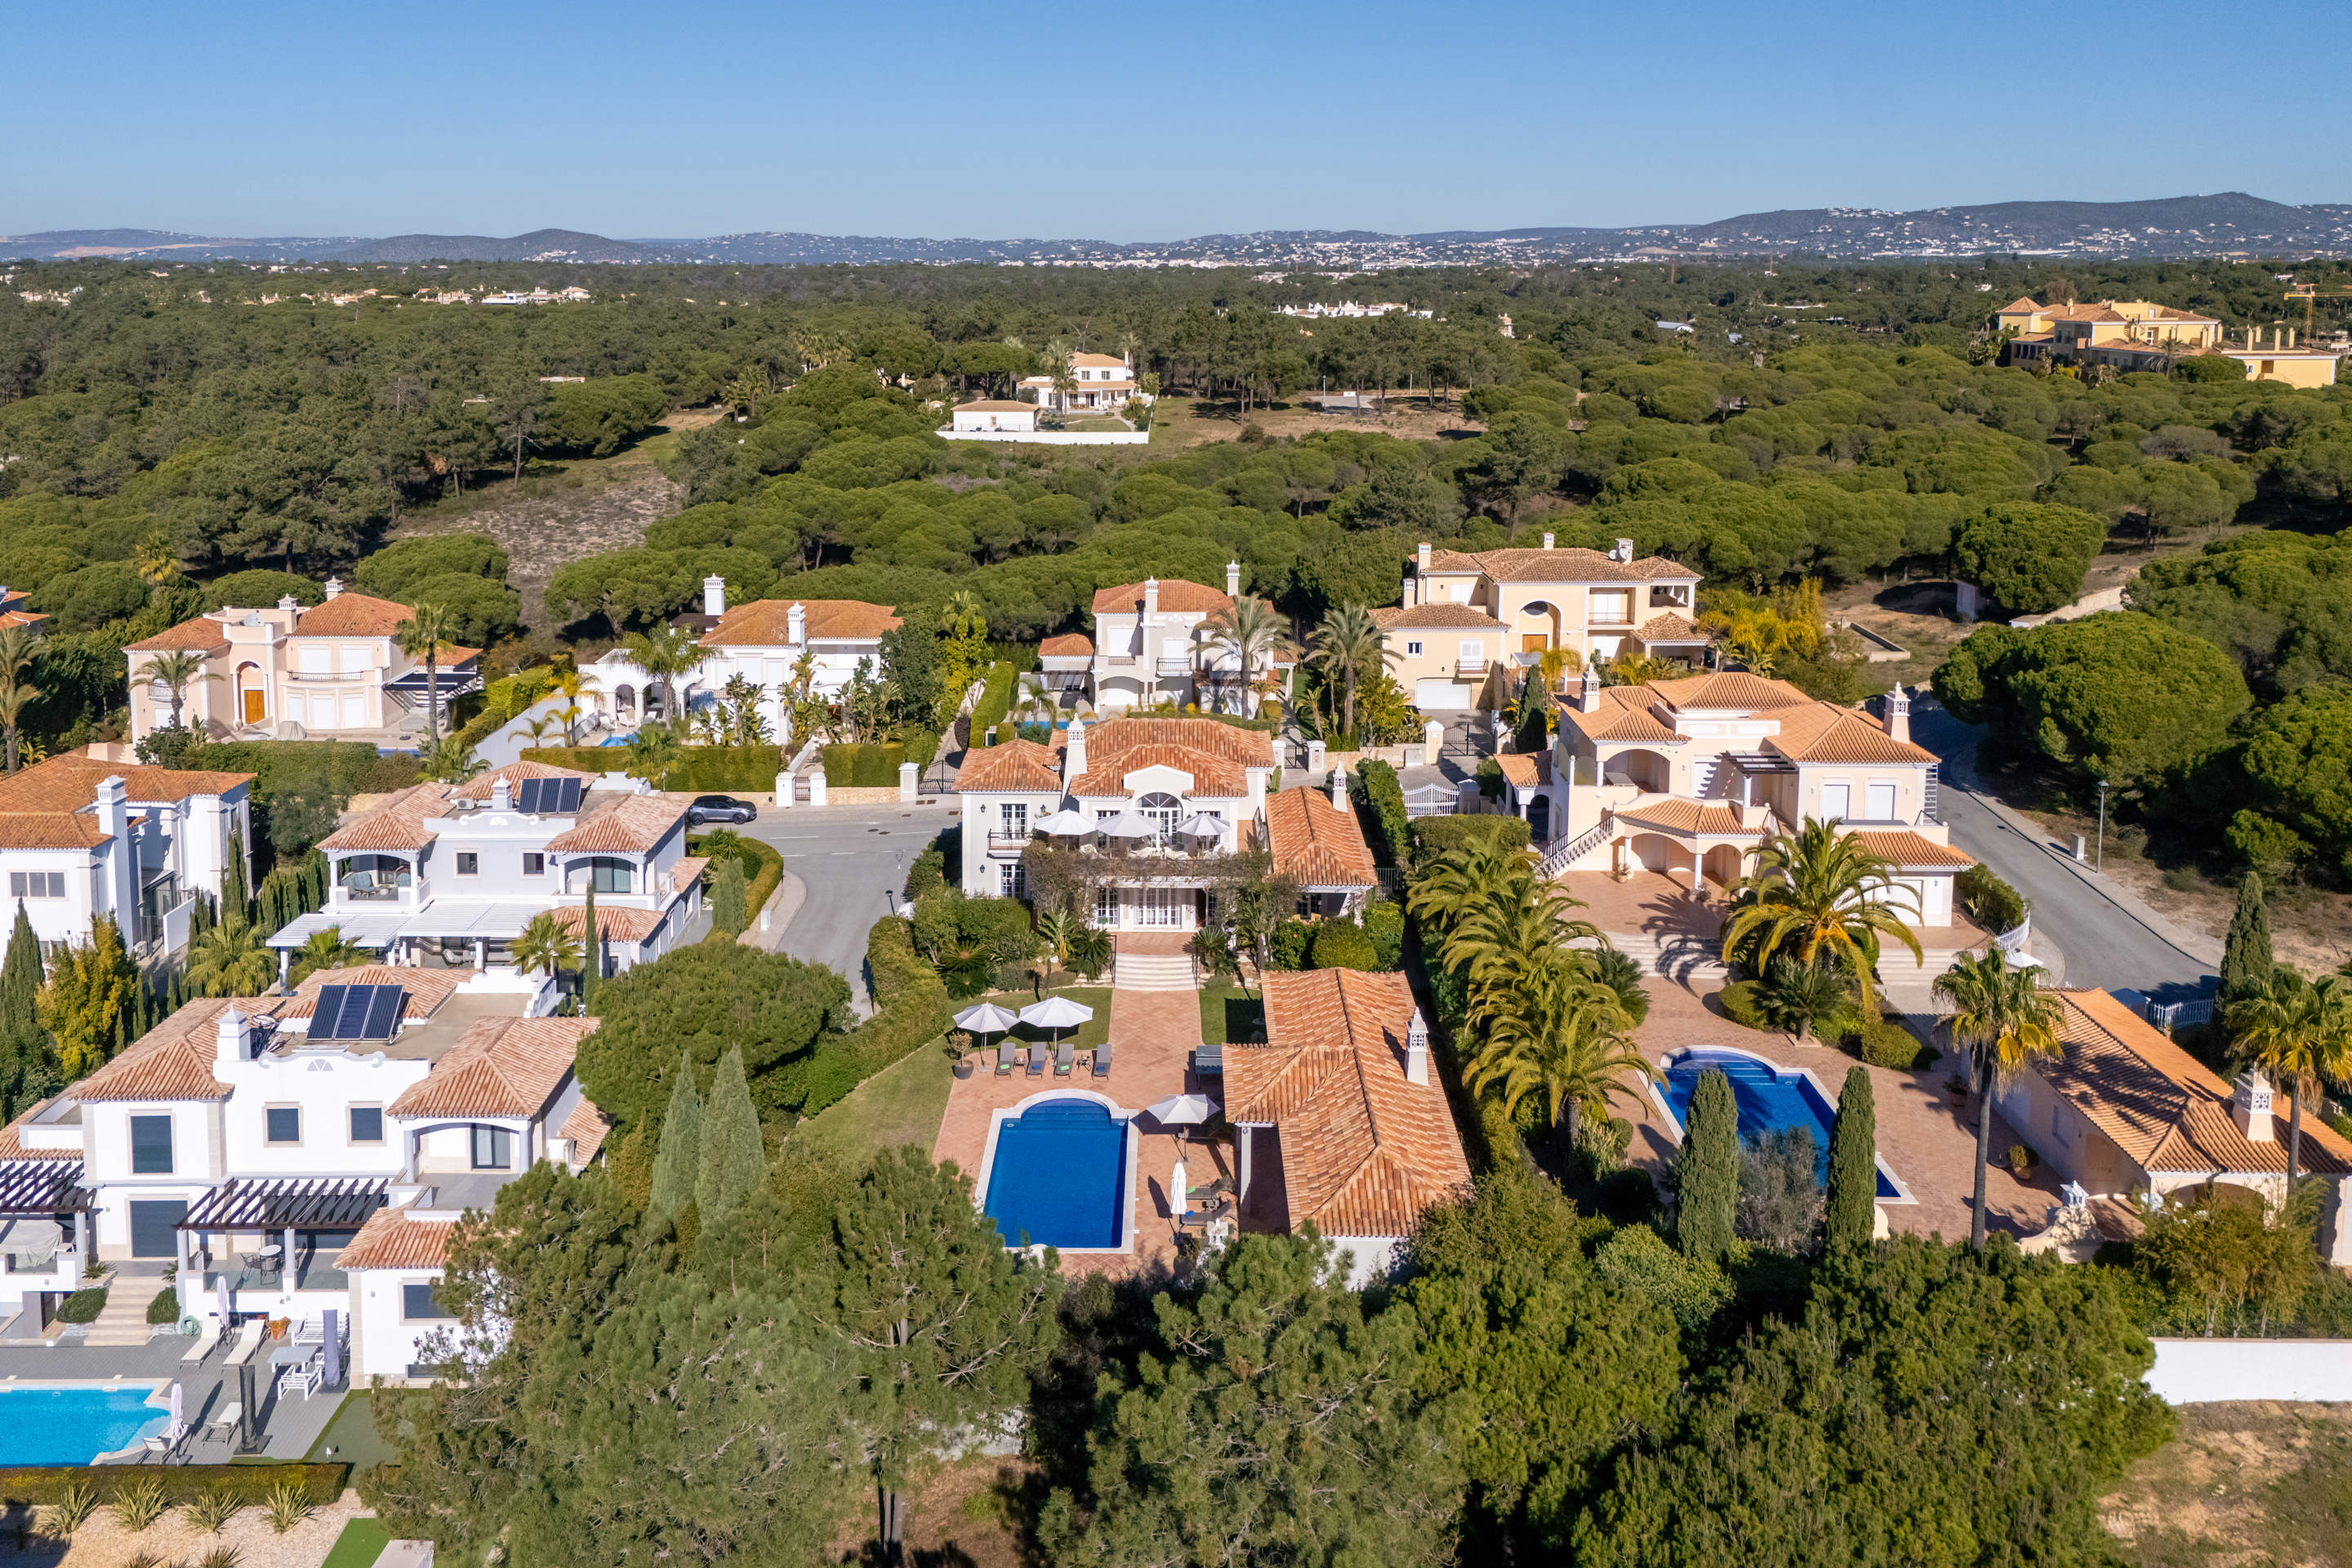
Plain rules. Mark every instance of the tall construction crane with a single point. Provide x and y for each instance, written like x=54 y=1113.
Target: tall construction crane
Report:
x=2308 y=292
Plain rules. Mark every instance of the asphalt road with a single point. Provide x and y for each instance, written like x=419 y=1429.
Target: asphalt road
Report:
x=853 y=861
x=2103 y=943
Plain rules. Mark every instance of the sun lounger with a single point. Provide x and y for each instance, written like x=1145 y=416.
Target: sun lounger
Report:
x=1102 y=1059
x=1062 y=1055
x=1037 y=1061
x=1004 y=1060
x=225 y=1418
x=248 y=1340
x=207 y=1342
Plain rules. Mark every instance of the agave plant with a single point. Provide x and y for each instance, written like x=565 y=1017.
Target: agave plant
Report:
x=76 y=1502
x=213 y=1509
x=286 y=1507
x=140 y=1504
x=223 y=1557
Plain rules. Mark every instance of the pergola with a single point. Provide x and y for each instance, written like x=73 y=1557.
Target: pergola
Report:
x=286 y=1204
x=38 y=1190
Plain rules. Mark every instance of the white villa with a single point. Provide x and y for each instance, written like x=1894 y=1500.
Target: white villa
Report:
x=334 y=671
x=1099 y=382
x=444 y=877
x=80 y=838
x=298 y=1157
x=1190 y=788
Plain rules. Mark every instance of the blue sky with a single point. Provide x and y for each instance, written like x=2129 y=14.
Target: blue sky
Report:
x=1131 y=121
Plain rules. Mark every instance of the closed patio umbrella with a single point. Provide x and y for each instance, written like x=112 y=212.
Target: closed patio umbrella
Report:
x=1178 y=1198
x=1183 y=1109
x=1065 y=821
x=176 y=1401
x=222 y=1278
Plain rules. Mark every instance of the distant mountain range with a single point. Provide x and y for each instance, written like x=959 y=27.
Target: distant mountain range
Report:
x=2230 y=223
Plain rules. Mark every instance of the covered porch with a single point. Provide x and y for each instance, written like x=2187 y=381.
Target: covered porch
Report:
x=45 y=1233
x=270 y=1245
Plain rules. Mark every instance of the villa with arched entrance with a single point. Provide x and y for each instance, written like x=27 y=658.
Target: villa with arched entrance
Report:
x=1591 y=604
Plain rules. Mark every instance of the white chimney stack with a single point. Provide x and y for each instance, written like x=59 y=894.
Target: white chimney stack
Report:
x=1074 y=753
x=1546 y=542
x=1151 y=599
x=714 y=596
x=1898 y=714
x=113 y=813
x=1232 y=578
x=334 y=586
x=1416 y=1049
x=1588 y=695
x=501 y=798
x=1338 y=787
x=2250 y=1107
x=289 y=604
x=1625 y=551
x=228 y=1037
x=796 y=624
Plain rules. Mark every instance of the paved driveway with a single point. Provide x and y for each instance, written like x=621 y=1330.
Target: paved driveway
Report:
x=852 y=862
x=2105 y=941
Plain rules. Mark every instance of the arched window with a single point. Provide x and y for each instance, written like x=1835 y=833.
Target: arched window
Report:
x=608 y=874
x=624 y=702
x=1163 y=811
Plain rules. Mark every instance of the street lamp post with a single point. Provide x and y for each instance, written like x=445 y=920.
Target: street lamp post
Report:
x=2102 y=864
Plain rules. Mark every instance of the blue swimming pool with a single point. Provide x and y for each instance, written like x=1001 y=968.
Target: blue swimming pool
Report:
x=73 y=1425
x=1769 y=1098
x=1060 y=1178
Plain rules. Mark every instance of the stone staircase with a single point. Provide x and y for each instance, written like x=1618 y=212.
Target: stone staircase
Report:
x=124 y=1320
x=1675 y=957
x=1153 y=972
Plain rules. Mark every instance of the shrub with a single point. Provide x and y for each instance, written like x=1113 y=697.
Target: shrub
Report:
x=83 y=1306
x=995 y=699
x=922 y=749
x=1743 y=1003
x=1884 y=1043
x=928 y=874
x=2020 y=1159
x=891 y=961
x=1384 y=928
x=286 y=1507
x=1639 y=1263
x=215 y=1508
x=166 y=1307
x=729 y=891
x=1491 y=783
x=1342 y=944
x=1380 y=791
x=140 y=1504
x=1439 y=835
x=75 y=1501
x=61 y=1487
x=869 y=765
x=1985 y=898
x=1286 y=948
x=914 y=1010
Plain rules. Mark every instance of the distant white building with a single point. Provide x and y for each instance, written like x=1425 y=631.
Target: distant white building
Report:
x=996 y=413
x=1098 y=383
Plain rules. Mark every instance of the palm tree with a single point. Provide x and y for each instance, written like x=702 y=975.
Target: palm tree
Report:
x=1057 y=356
x=1820 y=896
x=1555 y=1029
x=1557 y=665
x=653 y=751
x=1347 y=643
x=1515 y=929
x=428 y=629
x=666 y=653
x=569 y=686
x=1251 y=630
x=229 y=961
x=450 y=760
x=1054 y=930
x=1462 y=879
x=539 y=728
x=2297 y=1032
x=157 y=560
x=962 y=616
x=2005 y=1021
x=326 y=949
x=546 y=946
x=175 y=673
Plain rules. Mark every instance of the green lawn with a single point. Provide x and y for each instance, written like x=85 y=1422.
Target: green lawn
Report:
x=1094 y=1032
x=901 y=1104
x=350 y=1432
x=361 y=1543
x=1229 y=1014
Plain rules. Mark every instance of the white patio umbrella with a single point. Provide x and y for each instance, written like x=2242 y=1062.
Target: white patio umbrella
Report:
x=175 y=1400
x=1066 y=822
x=1183 y=1109
x=1177 y=1199
x=1057 y=1013
x=988 y=1018
x=1127 y=824
x=1202 y=825
x=222 y=1279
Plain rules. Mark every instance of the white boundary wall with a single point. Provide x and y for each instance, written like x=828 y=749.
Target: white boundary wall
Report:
x=1054 y=437
x=2205 y=1371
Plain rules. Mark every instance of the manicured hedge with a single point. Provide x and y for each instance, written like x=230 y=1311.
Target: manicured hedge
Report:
x=39 y=1484
x=83 y=1306
x=1436 y=835
x=914 y=1012
x=503 y=699
x=995 y=701
x=700 y=769
x=870 y=765
x=1385 y=797
x=353 y=767
x=922 y=750
x=1985 y=898
x=164 y=1308
x=762 y=864
x=891 y=959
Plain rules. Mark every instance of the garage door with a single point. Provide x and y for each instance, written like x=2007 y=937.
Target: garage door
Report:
x=151 y=1220
x=1442 y=694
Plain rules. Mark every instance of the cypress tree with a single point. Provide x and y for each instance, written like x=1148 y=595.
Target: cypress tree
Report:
x=733 y=1158
x=592 y=943
x=1853 y=1173
x=1706 y=1170
x=236 y=898
x=677 y=1159
x=729 y=896
x=2246 y=960
x=20 y=978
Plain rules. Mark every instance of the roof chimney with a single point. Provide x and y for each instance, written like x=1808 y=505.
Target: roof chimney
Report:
x=111 y=811
x=796 y=624
x=1150 y=597
x=714 y=596
x=1898 y=714
x=229 y=1035
x=1625 y=551
x=2250 y=1107
x=1232 y=578
x=1416 y=1049
x=501 y=798
x=334 y=586
x=289 y=604
x=1338 y=787
x=1546 y=542
x=1588 y=695
x=1074 y=752
x=1421 y=556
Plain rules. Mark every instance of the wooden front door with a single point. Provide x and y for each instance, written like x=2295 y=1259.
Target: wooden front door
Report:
x=1534 y=642
x=253 y=714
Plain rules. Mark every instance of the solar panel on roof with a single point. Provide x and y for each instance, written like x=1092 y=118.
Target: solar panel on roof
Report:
x=382 y=1013
x=326 y=1010
x=527 y=796
x=567 y=796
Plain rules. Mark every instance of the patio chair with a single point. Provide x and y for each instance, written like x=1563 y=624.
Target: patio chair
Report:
x=1037 y=1061
x=206 y=1341
x=248 y=1340
x=1061 y=1054
x=1004 y=1060
x=1102 y=1059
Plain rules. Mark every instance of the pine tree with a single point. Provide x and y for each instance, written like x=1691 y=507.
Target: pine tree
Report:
x=591 y=942
x=677 y=1159
x=2246 y=960
x=20 y=978
x=1854 y=1168
x=1706 y=1170
x=729 y=896
x=733 y=1157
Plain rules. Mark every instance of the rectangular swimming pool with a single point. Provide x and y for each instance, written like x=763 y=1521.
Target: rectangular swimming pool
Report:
x=1058 y=1178
x=66 y=1426
x=1769 y=1098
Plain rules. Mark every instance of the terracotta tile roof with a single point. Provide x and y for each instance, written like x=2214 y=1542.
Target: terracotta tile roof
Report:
x=1396 y=616
x=586 y=1127
x=1247 y=748
x=1526 y=769
x=350 y=615
x=1175 y=594
x=688 y=871
x=1732 y=691
x=14 y=1147
x=1624 y=714
x=1825 y=733
x=427 y=988
x=2023 y=302
x=631 y=825
x=69 y=782
x=1098 y=362
x=399 y=824
x=173 y=1060
x=618 y=924
x=1668 y=627
x=1364 y=1151
x=200 y=633
x=1315 y=844
x=21 y=619
x=391 y=1240
x=1212 y=774
x=500 y=1067
x=2164 y=1109
x=49 y=830
x=766 y=623
x=1014 y=766
x=1700 y=816
x=1910 y=851
x=479 y=787
x=1569 y=565
x=1069 y=644
x=996 y=405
